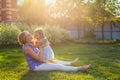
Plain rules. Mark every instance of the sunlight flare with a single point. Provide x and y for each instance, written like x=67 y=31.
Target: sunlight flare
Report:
x=50 y=1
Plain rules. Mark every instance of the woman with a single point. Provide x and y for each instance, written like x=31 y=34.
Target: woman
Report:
x=35 y=60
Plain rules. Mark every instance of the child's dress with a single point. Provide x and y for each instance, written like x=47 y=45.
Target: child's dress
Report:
x=48 y=53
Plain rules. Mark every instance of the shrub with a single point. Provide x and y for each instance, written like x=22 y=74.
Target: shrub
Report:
x=55 y=34
x=24 y=27
x=8 y=34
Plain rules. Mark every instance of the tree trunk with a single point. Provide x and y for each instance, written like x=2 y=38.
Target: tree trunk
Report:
x=102 y=31
x=78 y=30
x=111 y=30
x=84 y=30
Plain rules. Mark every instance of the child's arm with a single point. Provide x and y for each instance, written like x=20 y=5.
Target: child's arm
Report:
x=40 y=45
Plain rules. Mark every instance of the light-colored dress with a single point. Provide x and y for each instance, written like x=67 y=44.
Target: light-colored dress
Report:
x=48 y=53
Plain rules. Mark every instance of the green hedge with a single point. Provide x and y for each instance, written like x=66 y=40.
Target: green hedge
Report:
x=24 y=27
x=55 y=34
x=8 y=34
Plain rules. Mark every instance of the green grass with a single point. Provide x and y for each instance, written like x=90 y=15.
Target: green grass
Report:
x=105 y=60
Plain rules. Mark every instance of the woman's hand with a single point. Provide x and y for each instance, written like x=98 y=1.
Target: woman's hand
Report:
x=31 y=53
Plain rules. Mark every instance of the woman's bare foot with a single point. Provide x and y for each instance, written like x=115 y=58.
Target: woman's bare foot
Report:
x=84 y=68
x=74 y=61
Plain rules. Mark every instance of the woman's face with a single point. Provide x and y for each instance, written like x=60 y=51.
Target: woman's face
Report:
x=29 y=37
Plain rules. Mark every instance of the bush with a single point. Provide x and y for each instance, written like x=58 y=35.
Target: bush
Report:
x=55 y=34
x=24 y=27
x=8 y=34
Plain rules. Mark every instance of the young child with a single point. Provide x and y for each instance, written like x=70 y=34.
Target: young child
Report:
x=41 y=40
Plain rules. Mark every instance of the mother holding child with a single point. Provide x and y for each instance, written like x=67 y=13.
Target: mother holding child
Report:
x=40 y=56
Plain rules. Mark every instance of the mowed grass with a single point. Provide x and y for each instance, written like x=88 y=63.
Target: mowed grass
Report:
x=105 y=60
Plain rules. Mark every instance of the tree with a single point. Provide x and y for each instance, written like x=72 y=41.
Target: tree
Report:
x=68 y=12
x=109 y=9
x=113 y=6
x=79 y=12
x=74 y=12
x=32 y=12
x=101 y=15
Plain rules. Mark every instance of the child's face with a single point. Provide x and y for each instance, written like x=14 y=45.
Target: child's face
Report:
x=36 y=35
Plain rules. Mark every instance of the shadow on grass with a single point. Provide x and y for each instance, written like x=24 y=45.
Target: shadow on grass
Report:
x=36 y=75
x=56 y=75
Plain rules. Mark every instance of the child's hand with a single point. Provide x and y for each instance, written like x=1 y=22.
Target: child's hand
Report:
x=42 y=45
x=44 y=41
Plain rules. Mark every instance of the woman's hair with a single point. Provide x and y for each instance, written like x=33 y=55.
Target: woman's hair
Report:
x=22 y=38
x=40 y=32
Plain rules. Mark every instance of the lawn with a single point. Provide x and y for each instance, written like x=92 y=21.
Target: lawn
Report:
x=105 y=60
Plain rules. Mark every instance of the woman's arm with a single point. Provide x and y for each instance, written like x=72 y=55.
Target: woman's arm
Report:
x=41 y=53
x=31 y=53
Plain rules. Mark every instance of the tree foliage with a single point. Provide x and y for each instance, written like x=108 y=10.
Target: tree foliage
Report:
x=72 y=12
x=32 y=12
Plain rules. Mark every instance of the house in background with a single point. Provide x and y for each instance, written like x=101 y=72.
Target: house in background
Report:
x=8 y=11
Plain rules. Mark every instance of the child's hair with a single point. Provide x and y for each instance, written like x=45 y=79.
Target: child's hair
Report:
x=40 y=32
x=22 y=38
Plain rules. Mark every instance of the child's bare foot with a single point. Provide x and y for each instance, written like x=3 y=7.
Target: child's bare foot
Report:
x=84 y=68
x=74 y=61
